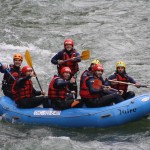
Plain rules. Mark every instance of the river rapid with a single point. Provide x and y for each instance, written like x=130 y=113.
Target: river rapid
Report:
x=112 y=30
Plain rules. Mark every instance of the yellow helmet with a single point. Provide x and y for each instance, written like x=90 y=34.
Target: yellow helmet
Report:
x=120 y=64
x=95 y=61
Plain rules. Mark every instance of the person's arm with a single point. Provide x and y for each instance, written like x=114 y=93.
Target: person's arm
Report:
x=3 y=68
x=60 y=83
x=56 y=58
x=131 y=80
x=78 y=59
x=107 y=82
x=21 y=81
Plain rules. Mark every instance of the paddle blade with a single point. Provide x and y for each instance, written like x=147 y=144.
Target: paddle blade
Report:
x=85 y=55
x=28 y=58
x=97 y=84
x=76 y=102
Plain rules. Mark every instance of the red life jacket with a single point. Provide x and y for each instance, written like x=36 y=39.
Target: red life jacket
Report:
x=120 y=86
x=85 y=92
x=85 y=74
x=73 y=65
x=22 y=92
x=56 y=93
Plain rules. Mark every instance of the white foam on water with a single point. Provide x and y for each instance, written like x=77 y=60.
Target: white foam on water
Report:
x=61 y=137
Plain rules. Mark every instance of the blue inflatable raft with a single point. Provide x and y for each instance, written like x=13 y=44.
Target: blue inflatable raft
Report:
x=124 y=112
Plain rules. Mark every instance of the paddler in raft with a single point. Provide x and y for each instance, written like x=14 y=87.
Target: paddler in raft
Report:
x=120 y=75
x=10 y=72
x=24 y=93
x=68 y=57
x=60 y=93
x=89 y=71
x=92 y=90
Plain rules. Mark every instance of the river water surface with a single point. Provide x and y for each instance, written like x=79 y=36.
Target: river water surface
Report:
x=112 y=30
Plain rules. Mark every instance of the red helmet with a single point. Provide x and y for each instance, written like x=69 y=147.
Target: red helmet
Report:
x=65 y=69
x=98 y=67
x=68 y=42
x=25 y=69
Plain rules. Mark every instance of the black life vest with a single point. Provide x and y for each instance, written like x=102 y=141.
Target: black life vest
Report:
x=8 y=80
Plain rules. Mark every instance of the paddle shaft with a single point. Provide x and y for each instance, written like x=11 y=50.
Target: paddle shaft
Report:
x=75 y=58
x=72 y=59
x=29 y=62
x=110 y=88
x=146 y=86
x=38 y=81
x=9 y=73
x=121 y=82
x=84 y=56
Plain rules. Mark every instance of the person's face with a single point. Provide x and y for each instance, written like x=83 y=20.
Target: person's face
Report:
x=66 y=75
x=120 y=69
x=99 y=73
x=17 y=62
x=28 y=72
x=92 y=65
x=68 y=47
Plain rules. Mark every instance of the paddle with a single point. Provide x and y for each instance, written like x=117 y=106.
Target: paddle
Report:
x=98 y=84
x=29 y=62
x=84 y=56
x=128 y=83
x=9 y=73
